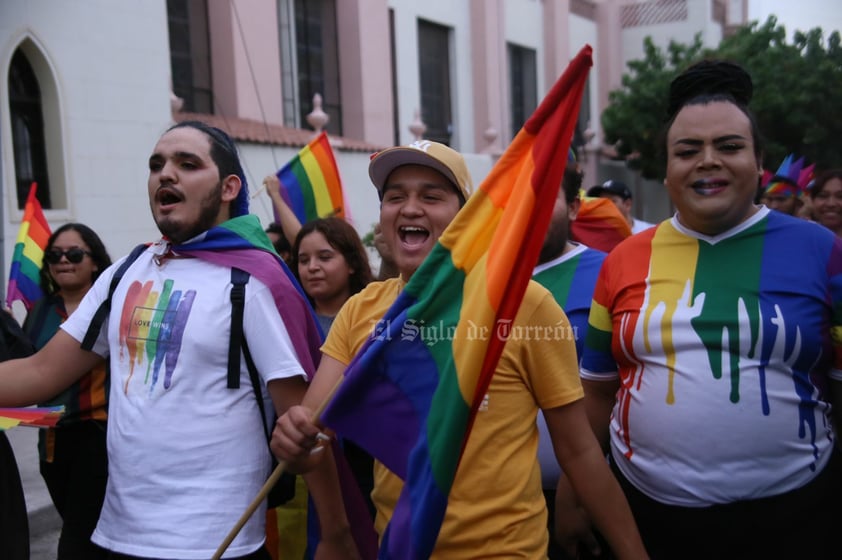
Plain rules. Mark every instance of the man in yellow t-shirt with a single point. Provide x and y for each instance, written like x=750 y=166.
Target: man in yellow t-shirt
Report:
x=496 y=502
x=496 y=506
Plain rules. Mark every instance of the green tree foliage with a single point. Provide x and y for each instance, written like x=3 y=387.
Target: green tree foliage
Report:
x=796 y=89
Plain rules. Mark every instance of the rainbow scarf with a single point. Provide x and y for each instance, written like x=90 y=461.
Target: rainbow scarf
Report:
x=310 y=182
x=28 y=257
x=232 y=244
x=475 y=276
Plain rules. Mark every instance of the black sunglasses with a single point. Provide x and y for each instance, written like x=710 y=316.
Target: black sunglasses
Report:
x=74 y=255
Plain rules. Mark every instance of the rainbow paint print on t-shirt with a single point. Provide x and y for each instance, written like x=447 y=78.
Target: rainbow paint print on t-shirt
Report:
x=744 y=318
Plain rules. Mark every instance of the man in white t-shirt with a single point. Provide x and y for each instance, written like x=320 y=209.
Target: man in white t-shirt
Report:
x=620 y=194
x=187 y=448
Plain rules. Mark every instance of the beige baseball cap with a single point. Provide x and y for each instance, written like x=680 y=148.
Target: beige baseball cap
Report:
x=443 y=159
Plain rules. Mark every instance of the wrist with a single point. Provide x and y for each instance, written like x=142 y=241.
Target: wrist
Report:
x=338 y=530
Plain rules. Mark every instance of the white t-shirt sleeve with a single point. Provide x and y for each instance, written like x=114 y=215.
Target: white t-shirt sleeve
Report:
x=597 y=375
x=268 y=340
x=78 y=322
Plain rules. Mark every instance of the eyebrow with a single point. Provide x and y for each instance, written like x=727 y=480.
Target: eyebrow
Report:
x=719 y=140
x=176 y=155
x=426 y=185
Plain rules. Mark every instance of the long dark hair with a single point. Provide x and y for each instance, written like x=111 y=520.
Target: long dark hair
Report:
x=98 y=254
x=345 y=239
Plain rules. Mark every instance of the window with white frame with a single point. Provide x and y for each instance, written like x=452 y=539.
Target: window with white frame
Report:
x=434 y=80
x=523 y=85
x=28 y=136
x=190 y=60
x=310 y=61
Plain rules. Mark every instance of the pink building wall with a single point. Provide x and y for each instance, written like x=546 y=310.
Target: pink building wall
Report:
x=247 y=73
x=366 y=72
x=488 y=55
x=245 y=53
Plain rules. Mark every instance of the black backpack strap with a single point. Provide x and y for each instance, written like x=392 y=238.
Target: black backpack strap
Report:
x=105 y=307
x=239 y=279
x=255 y=385
x=284 y=489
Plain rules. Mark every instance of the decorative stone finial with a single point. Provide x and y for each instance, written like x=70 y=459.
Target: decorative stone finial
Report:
x=490 y=134
x=417 y=126
x=176 y=103
x=317 y=118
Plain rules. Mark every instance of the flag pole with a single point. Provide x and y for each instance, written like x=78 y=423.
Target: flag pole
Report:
x=270 y=483
x=256 y=193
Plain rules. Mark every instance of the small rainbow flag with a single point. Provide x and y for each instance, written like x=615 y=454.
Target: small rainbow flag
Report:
x=43 y=417
x=27 y=259
x=310 y=182
x=476 y=275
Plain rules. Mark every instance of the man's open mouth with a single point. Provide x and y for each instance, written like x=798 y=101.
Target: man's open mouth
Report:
x=166 y=196
x=413 y=235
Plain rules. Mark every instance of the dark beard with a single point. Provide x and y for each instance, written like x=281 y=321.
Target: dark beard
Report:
x=209 y=210
x=554 y=242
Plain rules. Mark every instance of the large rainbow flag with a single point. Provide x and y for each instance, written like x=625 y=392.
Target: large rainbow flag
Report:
x=477 y=273
x=310 y=182
x=27 y=259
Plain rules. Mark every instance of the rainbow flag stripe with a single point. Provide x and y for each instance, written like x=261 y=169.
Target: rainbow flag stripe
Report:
x=28 y=256
x=43 y=417
x=475 y=276
x=310 y=182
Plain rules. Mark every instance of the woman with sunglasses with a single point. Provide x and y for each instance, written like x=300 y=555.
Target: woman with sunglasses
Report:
x=73 y=454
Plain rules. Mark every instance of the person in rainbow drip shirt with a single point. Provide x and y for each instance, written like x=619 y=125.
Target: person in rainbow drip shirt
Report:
x=712 y=361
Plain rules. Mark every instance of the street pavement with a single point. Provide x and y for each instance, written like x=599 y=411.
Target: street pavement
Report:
x=44 y=521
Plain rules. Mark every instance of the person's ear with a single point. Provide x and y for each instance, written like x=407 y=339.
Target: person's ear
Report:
x=231 y=186
x=573 y=209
